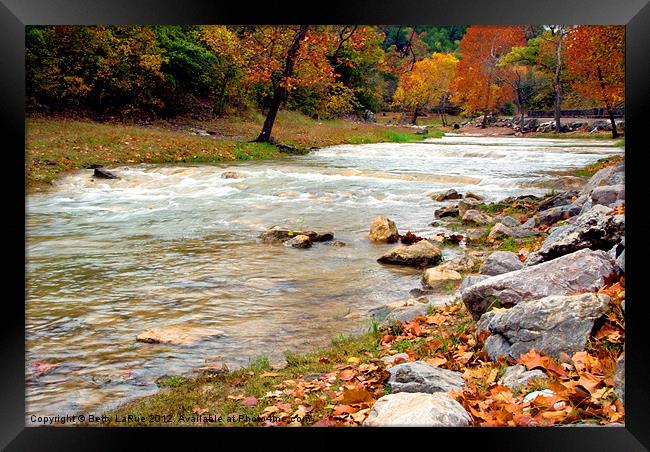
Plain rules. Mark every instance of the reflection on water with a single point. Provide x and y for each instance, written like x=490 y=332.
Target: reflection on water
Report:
x=167 y=245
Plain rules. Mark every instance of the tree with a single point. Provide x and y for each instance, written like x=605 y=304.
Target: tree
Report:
x=478 y=85
x=282 y=84
x=521 y=76
x=596 y=59
x=427 y=85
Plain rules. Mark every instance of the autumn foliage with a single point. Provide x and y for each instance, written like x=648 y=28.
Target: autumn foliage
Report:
x=477 y=87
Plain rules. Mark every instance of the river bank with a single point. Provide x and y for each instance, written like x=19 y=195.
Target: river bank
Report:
x=339 y=385
x=58 y=145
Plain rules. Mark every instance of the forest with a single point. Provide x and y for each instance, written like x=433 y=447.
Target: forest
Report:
x=337 y=71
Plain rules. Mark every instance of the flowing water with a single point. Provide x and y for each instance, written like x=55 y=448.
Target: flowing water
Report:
x=167 y=245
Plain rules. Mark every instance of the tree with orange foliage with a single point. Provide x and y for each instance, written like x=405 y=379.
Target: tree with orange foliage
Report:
x=477 y=86
x=596 y=60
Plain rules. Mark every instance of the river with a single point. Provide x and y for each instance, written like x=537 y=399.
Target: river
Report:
x=164 y=245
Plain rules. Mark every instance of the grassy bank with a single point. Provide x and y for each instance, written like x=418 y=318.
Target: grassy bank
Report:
x=57 y=145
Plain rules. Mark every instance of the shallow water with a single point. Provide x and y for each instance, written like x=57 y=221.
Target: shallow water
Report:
x=165 y=245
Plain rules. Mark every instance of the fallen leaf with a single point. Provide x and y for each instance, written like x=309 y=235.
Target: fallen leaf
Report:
x=269 y=374
x=436 y=362
x=249 y=401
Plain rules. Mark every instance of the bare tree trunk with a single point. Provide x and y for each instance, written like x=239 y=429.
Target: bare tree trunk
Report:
x=415 y=116
x=280 y=90
x=556 y=83
x=607 y=104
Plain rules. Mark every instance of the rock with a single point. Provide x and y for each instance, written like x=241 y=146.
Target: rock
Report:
x=529 y=224
x=463 y=263
x=582 y=270
x=417 y=410
x=501 y=262
x=533 y=395
x=423 y=131
x=449 y=211
x=470 y=280
x=507 y=221
x=384 y=230
x=620 y=261
x=392 y=360
x=467 y=204
x=419 y=376
x=232 y=175
x=551 y=325
x=103 y=173
x=611 y=175
x=483 y=322
x=281 y=235
x=517 y=376
x=474 y=235
x=607 y=195
x=338 y=243
x=595 y=229
x=555 y=214
x=452 y=194
x=299 y=241
x=440 y=276
x=619 y=378
x=421 y=254
x=476 y=217
x=469 y=194
x=499 y=231
x=557 y=200
x=176 y=334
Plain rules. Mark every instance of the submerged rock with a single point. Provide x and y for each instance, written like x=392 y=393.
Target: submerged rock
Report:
x=417 y=410
x=299 y=241
x=419 y=376
x=421 y=254
x=232 y=175
x=384 y=230
x=103 y=173
x=281 y=235
x=582 y=270
x=176 y=334
x=551 y=325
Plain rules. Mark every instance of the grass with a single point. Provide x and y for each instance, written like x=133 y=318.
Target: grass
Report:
x=514 y=244
x=181 y=402
x=592 y=169
x=56 y=145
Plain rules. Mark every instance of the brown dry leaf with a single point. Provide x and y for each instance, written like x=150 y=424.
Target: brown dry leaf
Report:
x=270 y=410
x=436 y=362
x=360 y=415
x=531 y=360
x=199 y=411
x=237 y=397
x=43 y=367
x=347 y=375
x=356 y=396
x=343 y=409
x=269 y=374
x=589 y=382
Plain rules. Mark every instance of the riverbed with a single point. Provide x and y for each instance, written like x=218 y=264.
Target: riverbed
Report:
x=168 y=245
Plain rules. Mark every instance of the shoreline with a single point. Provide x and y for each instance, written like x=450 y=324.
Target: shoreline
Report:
x=251 y=391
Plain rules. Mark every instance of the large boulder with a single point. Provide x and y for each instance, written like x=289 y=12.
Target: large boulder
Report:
x=419 y=376
x=467 y=204
x=551 y=325
x=384 y=230
x=470 y=280
x=437 y=277
x=417 y=410
x=558 y=199
x=608 y=195
x=596 y=229
x=611 y=175
x=501 y=262
x=507 y=221
x=476 y=217
x=582 y=270
x=420 y=254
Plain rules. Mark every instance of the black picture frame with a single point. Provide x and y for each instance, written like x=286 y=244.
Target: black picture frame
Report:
x=15 y=14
